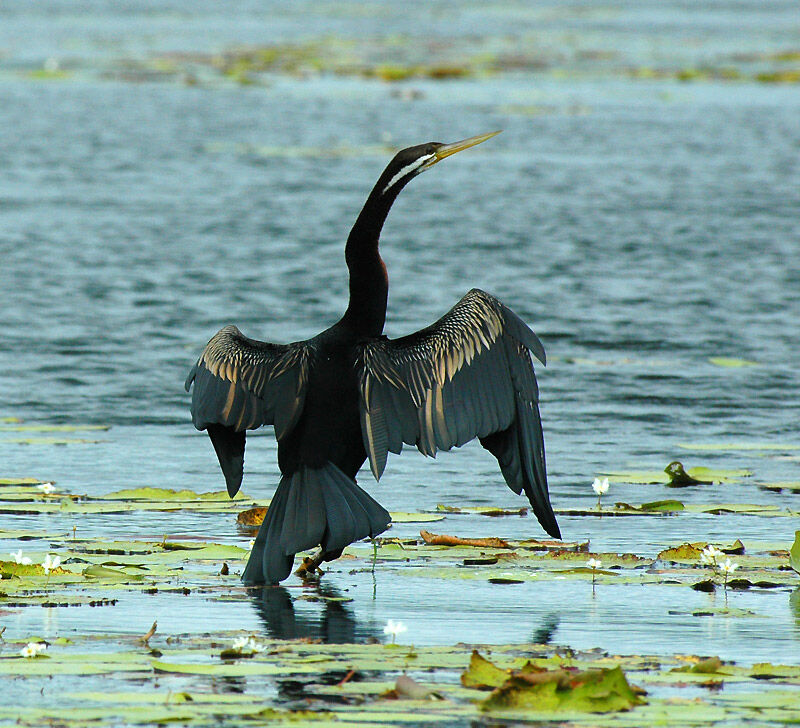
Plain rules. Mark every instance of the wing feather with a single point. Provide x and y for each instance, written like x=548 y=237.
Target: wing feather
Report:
x=468 y=375
x=241 y=384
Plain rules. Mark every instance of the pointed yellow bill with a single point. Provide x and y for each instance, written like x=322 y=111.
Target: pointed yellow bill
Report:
x=447 y=149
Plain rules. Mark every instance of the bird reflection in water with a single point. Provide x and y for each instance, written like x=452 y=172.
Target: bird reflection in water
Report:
x=794 y=605
x=329 y=619
x=543 y=635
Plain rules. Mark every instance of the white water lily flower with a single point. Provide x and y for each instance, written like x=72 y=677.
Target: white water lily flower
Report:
x=594 y=563
x=247 y=644
x=709 y=555
x=50 y=564
x=600 y=486
x=19 y=558
x=32 y=649
x=728 y=567
x=47 y=488
x=394 y=628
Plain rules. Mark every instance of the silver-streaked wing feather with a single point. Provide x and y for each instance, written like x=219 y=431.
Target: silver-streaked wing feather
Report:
x=468 y=375
x=241 y=384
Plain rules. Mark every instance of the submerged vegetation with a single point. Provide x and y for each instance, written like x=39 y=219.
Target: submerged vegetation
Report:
x=397 y=58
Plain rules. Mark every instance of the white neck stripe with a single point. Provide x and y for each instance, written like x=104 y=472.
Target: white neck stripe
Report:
x=407 y=170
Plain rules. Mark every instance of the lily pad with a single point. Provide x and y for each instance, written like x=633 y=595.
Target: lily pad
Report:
x=732 y=363
x=483 y=673
x=20 y=481
x=791 y=486
x=658 y=477
x=744 y=445
x=794 y=553
x=592 y=691
x=400 y=517
x=53 y=428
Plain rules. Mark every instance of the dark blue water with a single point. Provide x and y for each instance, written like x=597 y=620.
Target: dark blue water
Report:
x=641 y=226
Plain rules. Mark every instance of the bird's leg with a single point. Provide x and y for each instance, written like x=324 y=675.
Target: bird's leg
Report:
x=310 y=565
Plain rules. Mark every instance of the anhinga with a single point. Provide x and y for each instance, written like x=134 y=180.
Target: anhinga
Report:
x=350 y=393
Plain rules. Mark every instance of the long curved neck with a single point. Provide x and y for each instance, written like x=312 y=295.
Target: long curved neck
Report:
x=369 y=282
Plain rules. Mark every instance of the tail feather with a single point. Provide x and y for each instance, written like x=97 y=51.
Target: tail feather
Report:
x=311 y=506
x=270 y=564
x=304 y=517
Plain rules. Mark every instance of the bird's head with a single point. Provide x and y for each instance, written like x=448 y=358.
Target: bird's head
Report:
x=410 y=162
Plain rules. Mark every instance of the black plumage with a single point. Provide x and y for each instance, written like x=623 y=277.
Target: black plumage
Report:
x=350 y=394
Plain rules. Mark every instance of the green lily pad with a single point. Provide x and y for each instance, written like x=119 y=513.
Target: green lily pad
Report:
x=662 y=506
x=746 y=445
x=723 y=361
x=483 y=673
x=709 y=666
x=483 y=510
x=592 y=691
x=659 y=477
x=20 y=481
x=400 y=517
x=51 y=441
x=148 y=493
x=232 y=669
x=794 y=553
x=97 y=571
x=53 y=428
x=791 y=486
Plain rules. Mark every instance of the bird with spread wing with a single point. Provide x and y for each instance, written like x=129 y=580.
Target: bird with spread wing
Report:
x=350 y=394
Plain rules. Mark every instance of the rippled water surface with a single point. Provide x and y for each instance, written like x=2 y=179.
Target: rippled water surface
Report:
x=644 y=226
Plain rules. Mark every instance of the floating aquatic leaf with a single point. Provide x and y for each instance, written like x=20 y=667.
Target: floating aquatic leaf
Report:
x=662 y=506
x=737 y=547
x=742 y=508
x=97 y=571
x=710 y=665
x=252 y=517
x=444 y=540
x=794 y=553
x=483 y=673
x=53 y=428
x=148 y=493
x=51 y=441
x=686 y=553
x=701 y=474
x=232 y=669
x=679 y=478
x=745 y=445
x=399 y=517
x=482 y=510
x=407 y=688
x=768 y=671
x=723 y=361
x=592 y=691
x=20 y=481
x=792 y=486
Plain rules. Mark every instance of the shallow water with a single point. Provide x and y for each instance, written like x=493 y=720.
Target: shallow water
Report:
x=641 y=226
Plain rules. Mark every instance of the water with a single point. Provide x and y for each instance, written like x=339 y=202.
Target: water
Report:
x=641 y=226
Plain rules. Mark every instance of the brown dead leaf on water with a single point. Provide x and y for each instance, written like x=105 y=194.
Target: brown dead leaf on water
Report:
x=252 y=517
x=145 y=638
x=408 y=688
x=491 y=542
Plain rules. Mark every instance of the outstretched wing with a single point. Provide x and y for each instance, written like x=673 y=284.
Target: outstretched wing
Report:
x=241 y=384
x=468 y=375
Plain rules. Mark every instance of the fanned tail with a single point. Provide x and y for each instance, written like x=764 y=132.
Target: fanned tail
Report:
x=311 y=507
